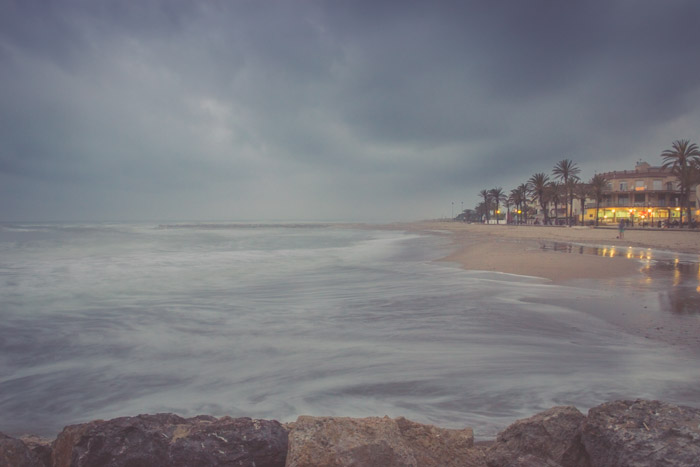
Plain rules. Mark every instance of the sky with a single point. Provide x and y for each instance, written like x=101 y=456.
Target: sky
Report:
x=138 y=110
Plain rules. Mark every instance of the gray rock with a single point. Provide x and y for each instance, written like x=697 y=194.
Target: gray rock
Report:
x=169 y=440
x=15 y=453
x=642 y=433
x=550 y=438
x=342 y=441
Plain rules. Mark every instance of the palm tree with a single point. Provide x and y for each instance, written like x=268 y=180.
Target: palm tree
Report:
x=518 y=196
x=598 y=185
x=513 y=200
x=498 y=197
x=566 y=170
x=682 y=158
x=482 y=210
x=486 y=195
x=569 y=192
x=555 y=194
x=537 y=185
x=582 y=191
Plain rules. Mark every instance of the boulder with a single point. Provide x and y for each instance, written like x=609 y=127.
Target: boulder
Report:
x=642 y=433
x=550 y=438
x=40 y=446
x=15 y=453
x=342 y=441
x=170 y=440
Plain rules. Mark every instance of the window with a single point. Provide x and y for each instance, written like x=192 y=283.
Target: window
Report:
x=623 y=186
x=623 y=200
x=669 y=186
x=639 y=185
x=639 y=198
x=657 y=185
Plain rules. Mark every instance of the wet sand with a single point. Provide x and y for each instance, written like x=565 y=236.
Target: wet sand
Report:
x=656 y=301
x=522 y=249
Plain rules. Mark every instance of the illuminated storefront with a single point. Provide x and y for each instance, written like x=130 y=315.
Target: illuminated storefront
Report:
x=644 y=196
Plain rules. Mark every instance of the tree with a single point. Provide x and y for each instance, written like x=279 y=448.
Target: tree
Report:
x=486 y=195
x=582 y=191
x=497 y=197
x=537 y=185
x=482 y=210
x=598 y=185
x=518 y=197
x=555 y=196
x=467 y=215
x=683 y=159
x=566 y=170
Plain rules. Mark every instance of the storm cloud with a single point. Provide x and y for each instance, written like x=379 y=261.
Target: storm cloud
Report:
x=349 y=110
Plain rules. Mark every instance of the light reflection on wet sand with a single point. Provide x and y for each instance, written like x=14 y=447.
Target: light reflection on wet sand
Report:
x=661 y=303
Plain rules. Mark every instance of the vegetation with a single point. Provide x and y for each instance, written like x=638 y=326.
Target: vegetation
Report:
x=556 y=195
x=486 y=204
x=539 y=188
x=497 y=197
x=567 y=172
x=519 y=198
x=684 y=160
x=582 y=191
x=598 y=184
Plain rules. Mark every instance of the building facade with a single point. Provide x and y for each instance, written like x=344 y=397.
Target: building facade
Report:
x=646 y=195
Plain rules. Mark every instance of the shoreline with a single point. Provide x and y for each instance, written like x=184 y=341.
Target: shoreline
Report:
x=642 y=298
x=522 y=249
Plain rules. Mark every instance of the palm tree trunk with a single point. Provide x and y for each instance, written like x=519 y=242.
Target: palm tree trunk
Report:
x=597 y=206
x=544 y=210
x=572 y=208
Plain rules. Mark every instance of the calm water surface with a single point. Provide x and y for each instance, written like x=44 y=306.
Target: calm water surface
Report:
x=274 y=321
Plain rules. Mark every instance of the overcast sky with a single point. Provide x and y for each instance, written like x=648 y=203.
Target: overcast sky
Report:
x=319 y=110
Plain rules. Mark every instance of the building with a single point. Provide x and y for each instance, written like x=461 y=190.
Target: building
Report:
x=644 y=196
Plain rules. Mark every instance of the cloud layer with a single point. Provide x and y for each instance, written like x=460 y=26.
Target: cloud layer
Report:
x=328 y=110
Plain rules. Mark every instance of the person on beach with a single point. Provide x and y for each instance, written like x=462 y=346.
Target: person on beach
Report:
x=622 y=230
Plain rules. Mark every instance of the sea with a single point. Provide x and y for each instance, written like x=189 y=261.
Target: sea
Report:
x=277 y=320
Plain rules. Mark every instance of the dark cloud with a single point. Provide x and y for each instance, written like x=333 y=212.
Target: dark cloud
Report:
x=308 y=109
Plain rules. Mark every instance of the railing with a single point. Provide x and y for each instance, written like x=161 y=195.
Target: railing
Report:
x=632 y=204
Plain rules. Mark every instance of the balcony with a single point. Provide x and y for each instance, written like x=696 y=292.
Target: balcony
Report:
x=631 y=204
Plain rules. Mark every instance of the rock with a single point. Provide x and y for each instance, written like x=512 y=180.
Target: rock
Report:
x=642 y=433
x=550 y=438
x=170 y=440
x=440 y=446
x=40 y=446
x=342 y=441
x=15 y=453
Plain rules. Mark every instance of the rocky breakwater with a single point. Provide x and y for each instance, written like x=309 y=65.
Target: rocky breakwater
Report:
x=620 y=433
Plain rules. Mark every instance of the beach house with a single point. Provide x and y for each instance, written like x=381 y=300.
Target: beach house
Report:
x=646 y=196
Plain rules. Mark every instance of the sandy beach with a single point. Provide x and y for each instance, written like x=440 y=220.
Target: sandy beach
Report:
x=523 y=250
x=674 y=318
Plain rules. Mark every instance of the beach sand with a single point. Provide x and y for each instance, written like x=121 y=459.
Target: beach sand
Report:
x=671 y=315
x=524 y=250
